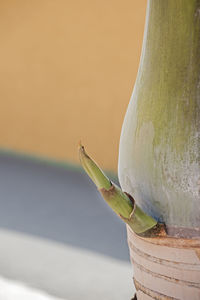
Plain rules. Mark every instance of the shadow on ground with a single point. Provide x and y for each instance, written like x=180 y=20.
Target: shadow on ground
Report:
x=59 y=204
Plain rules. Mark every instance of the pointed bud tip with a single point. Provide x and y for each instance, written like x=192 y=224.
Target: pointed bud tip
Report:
x=92 y=169
x=80 y=146
x=82 y=152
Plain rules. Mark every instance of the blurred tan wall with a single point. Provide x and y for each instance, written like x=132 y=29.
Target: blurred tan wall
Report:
x=67 y=70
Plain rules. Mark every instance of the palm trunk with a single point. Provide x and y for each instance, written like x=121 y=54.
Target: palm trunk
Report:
x=159 y=160
x=159 y=157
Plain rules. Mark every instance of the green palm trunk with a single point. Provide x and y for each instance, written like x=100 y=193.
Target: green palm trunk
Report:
x=159 y=157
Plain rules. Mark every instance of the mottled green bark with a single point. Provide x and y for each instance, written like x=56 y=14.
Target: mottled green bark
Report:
x=159 y=159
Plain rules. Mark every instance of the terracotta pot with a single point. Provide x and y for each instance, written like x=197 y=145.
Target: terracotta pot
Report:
x=165 y=267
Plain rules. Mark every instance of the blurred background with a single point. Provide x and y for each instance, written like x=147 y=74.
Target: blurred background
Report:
x=67 y=70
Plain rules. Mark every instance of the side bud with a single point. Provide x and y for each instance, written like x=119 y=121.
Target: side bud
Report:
x=120 y=202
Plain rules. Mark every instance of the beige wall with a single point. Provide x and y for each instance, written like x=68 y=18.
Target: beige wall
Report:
x=67 y=70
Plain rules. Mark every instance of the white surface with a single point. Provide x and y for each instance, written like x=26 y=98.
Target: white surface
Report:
x=64 y=271
x=12 y=290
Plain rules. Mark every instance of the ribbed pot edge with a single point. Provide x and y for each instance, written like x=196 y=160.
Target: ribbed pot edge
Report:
x=165 y=267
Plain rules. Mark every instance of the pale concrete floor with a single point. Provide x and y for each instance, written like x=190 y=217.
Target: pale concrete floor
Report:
x=58 y=234
x=15 y=290
x=64 y=271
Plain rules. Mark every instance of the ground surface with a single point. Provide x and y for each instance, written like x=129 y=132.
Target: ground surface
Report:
x=58 y=235
x=14 y=290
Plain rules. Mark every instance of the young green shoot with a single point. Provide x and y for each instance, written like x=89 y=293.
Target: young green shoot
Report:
x=121 y=203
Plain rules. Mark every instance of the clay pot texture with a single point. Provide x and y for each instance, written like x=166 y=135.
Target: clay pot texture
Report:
x=165 y=268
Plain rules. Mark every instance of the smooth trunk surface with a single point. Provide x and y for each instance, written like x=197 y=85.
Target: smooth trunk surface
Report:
x=159 y=158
